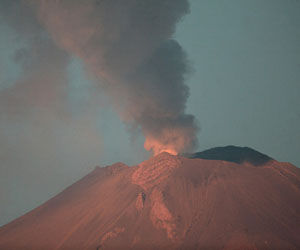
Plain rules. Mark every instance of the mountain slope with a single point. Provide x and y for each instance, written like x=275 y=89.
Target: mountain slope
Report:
x=168 y=202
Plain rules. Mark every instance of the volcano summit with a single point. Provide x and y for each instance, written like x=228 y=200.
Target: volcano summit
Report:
x=224 y=198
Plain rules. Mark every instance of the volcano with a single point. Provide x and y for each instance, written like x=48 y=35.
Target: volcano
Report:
x=223 y=198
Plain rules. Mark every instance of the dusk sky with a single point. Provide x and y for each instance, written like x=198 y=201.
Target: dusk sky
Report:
x=57 y=122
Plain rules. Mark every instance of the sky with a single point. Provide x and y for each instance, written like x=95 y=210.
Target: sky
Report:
x=244 y=86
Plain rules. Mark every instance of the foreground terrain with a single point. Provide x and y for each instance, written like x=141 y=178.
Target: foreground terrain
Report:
x=224 y=198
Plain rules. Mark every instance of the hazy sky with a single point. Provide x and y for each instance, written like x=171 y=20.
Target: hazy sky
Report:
x=244 y=90
x=246 y=85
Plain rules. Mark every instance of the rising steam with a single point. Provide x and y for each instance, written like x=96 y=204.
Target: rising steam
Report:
x=128 y=45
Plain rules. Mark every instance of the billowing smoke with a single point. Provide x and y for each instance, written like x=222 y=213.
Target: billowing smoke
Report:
x=129 y=46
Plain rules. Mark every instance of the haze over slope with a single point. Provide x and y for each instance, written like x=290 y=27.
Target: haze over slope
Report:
x=169 y=202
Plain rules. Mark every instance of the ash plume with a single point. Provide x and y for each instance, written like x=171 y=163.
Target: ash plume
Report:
x=129 y=46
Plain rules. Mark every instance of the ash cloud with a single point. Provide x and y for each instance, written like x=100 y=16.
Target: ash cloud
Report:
x=40 y=141
x=128 y=45
x=130 y=50
x=43 y=78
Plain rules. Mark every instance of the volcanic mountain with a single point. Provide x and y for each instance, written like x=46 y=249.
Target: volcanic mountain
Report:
x=223 y=198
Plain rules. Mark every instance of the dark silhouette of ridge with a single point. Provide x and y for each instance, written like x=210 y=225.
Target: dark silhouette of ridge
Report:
x=233 y=154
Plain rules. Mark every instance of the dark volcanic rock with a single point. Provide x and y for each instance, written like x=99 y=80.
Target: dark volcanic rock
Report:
x=233 y=154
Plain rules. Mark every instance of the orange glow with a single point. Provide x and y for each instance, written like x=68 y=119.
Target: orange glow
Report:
x=156 y=147
x=173 y=140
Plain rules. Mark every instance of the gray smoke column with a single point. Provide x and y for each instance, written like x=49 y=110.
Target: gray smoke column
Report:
x=128 y=45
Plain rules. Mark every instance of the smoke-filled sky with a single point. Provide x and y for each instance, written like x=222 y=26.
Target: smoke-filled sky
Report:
x=86 y=83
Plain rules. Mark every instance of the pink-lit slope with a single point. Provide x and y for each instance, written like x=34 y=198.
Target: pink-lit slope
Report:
x=168 y=202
